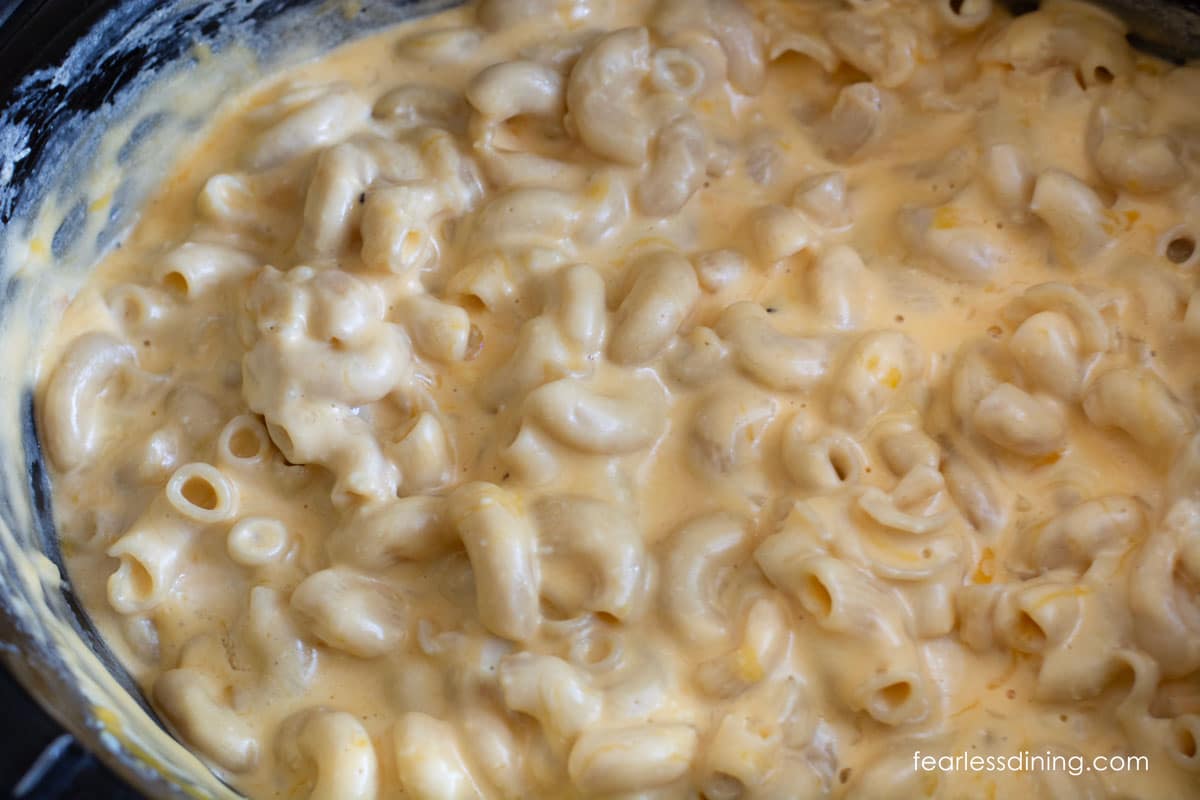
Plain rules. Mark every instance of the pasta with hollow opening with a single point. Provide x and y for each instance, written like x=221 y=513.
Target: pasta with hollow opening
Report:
x=716 y=399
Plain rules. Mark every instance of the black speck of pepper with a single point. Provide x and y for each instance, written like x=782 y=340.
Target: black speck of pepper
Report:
x=772 y=309
x=362 y=198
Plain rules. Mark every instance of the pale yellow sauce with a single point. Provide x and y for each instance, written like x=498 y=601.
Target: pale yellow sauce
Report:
x=954 y=102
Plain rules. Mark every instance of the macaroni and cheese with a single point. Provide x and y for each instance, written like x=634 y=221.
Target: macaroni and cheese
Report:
x=660 y=399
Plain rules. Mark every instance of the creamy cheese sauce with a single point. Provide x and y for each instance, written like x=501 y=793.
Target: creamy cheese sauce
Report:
x=667 y=399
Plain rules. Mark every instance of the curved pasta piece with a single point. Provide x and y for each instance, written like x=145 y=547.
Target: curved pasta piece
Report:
x=1020 y=422
x=1129 y=158
x=776 y=360
x=884 y=49
x=874 y=371
x=893 y=692
x=823 y=464
x=1094 y=333
x=661 y=298
x=194 y=268
x=150 y=555
x=824 y=199
x=746 y=747
x=1136 y=400
x=1074 y=213
x=733 y=27
x=495 y=751
x=357 y=375
x=607 y=424
x=836 y=595
x=351 y=612
x=344 y=172
x=640 y=757
x=677 y=167
x=532 y=455
x=496 y=15
x=257 y=541
x=842 y=288
x=904 y=447
x=697 y=357
x=883 y=509
x=1183 y=742
x=136 y=307
x=336 y=746
x=563 y=341
x=188 y=699
x=71 y=421
x=1082 y=37
x=953 y=247
x=501 y=544
x=680 y=71
x=429 y=759
x=861 y=116
x=202 y=493
x=1077 y=630
x=236 y=205
x=243 y=443
x=784 y=41
x=976 y=374
x=421 y=105
x=550 y=690
x=615 y=572
x=964 y=16
x=527 y=217
x=1008 y=176
x=577 y=302
x=606 y=208
x=439 y=331
x=511 y=89
x=780 y=232
x=1076 y=538
x=1167 y=613
x=867 y=655
x=333 y=436
x=975 y=496
x=699 y=550
x=424 y=455
x=1046 y=348
x=397 y=227
x=765 y=635
x=310 y=119
x=540 y=356
x=727 y=430
x=603 y=96
x=269 y=637
x=378 y=536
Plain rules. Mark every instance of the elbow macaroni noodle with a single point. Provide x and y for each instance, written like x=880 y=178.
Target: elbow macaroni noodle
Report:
x=685 y=399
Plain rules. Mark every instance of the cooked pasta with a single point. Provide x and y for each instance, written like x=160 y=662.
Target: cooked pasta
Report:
x=697 y=399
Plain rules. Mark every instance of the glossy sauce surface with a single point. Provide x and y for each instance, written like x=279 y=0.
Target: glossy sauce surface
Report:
x=782 y=388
